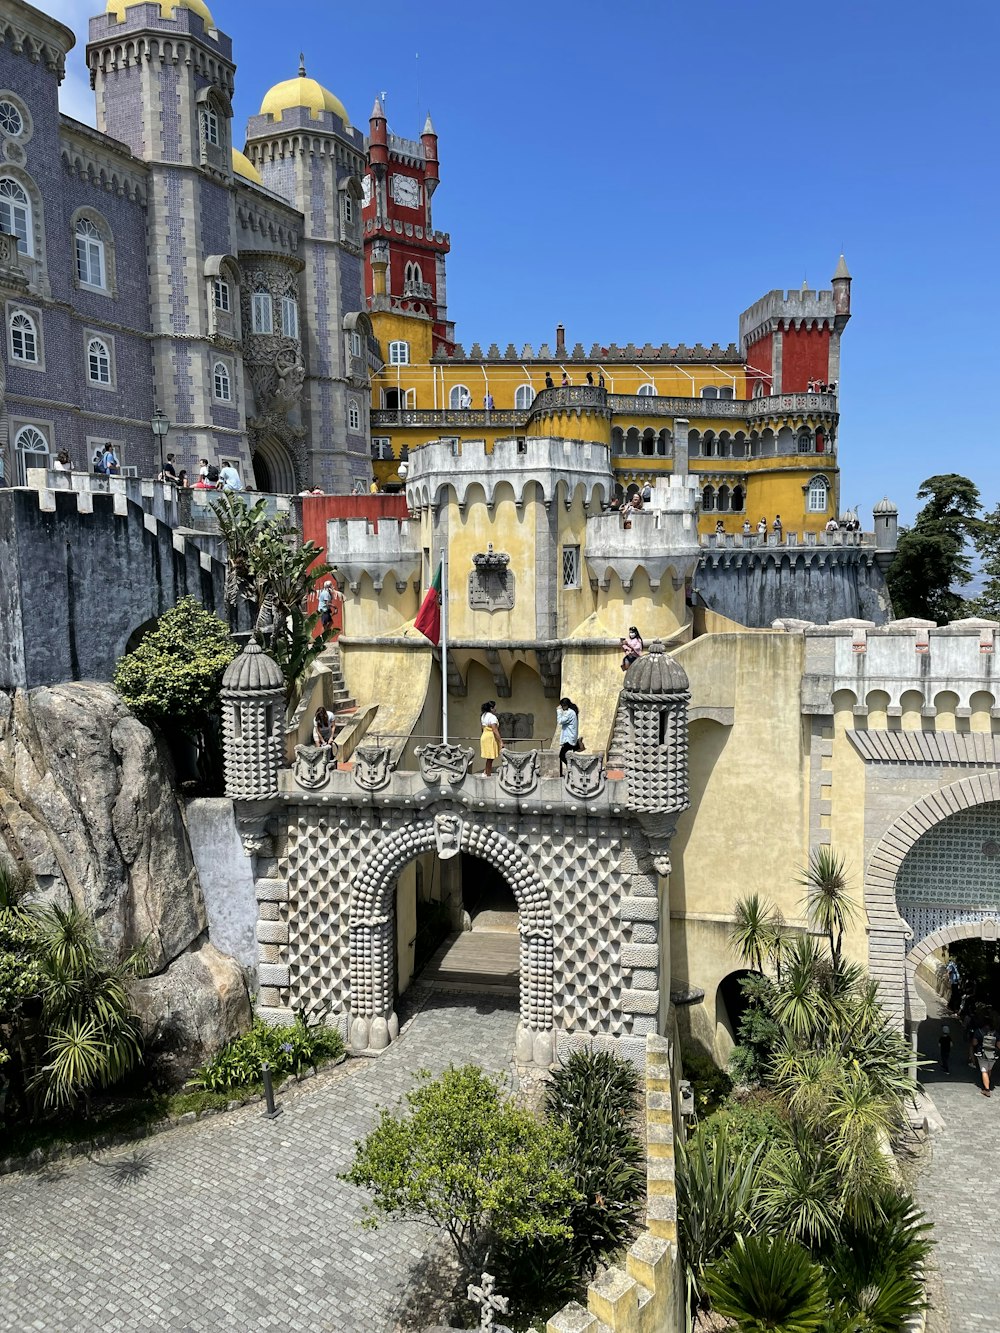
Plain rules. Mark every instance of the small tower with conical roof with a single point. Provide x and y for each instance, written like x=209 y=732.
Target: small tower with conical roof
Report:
x=885 y=517
x=841 y=283
x=656 y=697
x=253 y=710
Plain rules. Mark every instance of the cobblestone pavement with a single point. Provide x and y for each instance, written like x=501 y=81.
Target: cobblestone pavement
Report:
x=958 y=1187
x=237 y=1222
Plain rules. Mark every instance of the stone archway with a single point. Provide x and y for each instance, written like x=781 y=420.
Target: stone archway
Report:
x=889 y=935
x=373 y=1022
x=987 y=929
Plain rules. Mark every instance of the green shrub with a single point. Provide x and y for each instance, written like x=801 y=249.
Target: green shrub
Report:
x=768 y=1285
x=710 y=1084
x=174 y=676
x=286 y=1050
x=875 y=1271
x=594 y=1094
x=464 y=1158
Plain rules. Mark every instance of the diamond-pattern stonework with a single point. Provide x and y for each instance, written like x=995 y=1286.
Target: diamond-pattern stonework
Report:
x=341 y=878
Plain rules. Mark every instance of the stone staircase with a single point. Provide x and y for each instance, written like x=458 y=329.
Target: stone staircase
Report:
x=338 y=701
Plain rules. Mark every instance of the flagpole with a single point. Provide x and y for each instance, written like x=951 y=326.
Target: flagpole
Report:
x=444 y=644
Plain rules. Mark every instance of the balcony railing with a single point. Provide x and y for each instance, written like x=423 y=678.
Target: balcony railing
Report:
x=421 y=291
x=741 y=541
x=586 y=396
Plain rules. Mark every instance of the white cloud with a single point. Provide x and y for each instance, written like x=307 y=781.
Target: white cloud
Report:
x=75 y=96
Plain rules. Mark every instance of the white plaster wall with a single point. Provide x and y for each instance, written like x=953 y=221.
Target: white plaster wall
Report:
x=226 y=880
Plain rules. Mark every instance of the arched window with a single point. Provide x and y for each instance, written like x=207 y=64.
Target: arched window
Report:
x=722 y=498
x=353 y=416
x=646 y=390
x=524 y=396
x=726 y=391
x=223 y=295
x=804 y=444
x=23 y=337
x=632 y=440
x=459 y=396
x=263 y=312
x=649 y=442
x=222 y=382
x=399 y=353
x=11 y=120
x=98 y=361
x=710 y=391
x=210 y=127
x=290 y=317
x=817 y=495
x=736 y=500
x=708 y=498
x=31 y=449
x=90 y=263
x=15 y=213
x=663 y=443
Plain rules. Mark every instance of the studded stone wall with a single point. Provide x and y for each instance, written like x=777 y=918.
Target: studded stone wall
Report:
x=588 y=900
x=657 y=753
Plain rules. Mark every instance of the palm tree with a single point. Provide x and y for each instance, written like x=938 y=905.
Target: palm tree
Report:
x=769 y=1284
x=753 y=931
x=829 y=906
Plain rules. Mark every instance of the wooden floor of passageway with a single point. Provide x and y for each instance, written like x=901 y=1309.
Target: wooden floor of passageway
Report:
x=483 y=960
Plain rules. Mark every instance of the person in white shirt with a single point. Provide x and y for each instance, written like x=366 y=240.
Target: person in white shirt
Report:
x=230 y=478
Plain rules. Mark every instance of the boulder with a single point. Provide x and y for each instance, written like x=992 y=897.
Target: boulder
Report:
x=192 y=1009
x=86 y=801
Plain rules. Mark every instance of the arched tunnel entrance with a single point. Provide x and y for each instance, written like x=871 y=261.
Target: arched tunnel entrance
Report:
x=456 y=926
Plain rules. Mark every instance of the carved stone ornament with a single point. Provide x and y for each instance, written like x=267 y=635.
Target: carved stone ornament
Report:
x=448 y=835
x=518 y=771
x=313 y=766
x=443 y=764
x=372 y=766
x=584 y=775
x=256 y=838
x=491 y=584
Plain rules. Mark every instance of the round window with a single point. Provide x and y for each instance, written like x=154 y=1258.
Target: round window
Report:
x=11 y=121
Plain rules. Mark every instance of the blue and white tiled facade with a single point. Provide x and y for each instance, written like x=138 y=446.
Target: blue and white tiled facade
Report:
x=151 y=277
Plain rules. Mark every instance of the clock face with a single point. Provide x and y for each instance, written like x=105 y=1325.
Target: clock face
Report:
x=406 y=191
x=366 y=191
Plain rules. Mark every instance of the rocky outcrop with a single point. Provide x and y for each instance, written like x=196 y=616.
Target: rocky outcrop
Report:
x=87 y=803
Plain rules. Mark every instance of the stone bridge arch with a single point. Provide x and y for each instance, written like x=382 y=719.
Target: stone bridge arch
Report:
x=892 y=956
x=373 y=1022
x=987 y=929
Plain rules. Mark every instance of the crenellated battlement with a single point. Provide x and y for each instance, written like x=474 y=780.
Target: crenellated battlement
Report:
x=557 y=467
x=598 y=354
x=779 y=309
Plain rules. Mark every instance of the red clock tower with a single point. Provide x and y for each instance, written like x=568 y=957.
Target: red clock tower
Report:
x=404 y=255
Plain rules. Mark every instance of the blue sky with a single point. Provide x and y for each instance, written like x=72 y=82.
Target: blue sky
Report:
x=647 y=170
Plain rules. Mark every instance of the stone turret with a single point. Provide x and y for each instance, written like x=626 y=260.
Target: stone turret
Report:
x=253 y=710
x=885 y=516
x=656 y=697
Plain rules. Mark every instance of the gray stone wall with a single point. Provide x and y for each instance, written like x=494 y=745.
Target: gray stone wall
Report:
x=76 y=585
x=755 y=588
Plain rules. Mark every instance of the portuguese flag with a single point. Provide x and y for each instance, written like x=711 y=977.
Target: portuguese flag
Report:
x=428 y=620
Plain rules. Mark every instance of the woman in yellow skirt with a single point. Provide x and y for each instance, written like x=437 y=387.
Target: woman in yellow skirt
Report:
x=490 y=743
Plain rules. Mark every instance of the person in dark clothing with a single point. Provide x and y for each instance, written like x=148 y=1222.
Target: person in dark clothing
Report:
x=944 y=1044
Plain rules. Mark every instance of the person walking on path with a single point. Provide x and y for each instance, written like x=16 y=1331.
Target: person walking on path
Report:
x=944 y=1045
x=986 y=1055
x=568 y=719
x=490 y=743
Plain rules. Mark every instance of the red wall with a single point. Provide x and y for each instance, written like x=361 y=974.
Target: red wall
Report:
x=759 y=357
x=805 y=355
x=317 y=509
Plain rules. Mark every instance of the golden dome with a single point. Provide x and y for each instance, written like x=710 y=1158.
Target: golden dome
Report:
x=242 y=166
x=302 y=92
x=167 y=7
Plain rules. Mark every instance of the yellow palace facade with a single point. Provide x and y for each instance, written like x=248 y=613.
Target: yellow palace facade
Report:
x=756 y=423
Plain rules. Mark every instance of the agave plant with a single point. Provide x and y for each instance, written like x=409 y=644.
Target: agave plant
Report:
x=718 y=1184
x=769 y=1284
x=88 y=1032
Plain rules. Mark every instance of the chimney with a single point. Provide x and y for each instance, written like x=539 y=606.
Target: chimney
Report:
x=560 y=342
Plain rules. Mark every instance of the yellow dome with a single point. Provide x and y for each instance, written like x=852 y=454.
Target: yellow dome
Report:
x=242 y=166
x=302 y=92
x=167 y=7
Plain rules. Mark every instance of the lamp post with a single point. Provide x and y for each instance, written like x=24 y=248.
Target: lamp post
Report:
x=160 y=425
